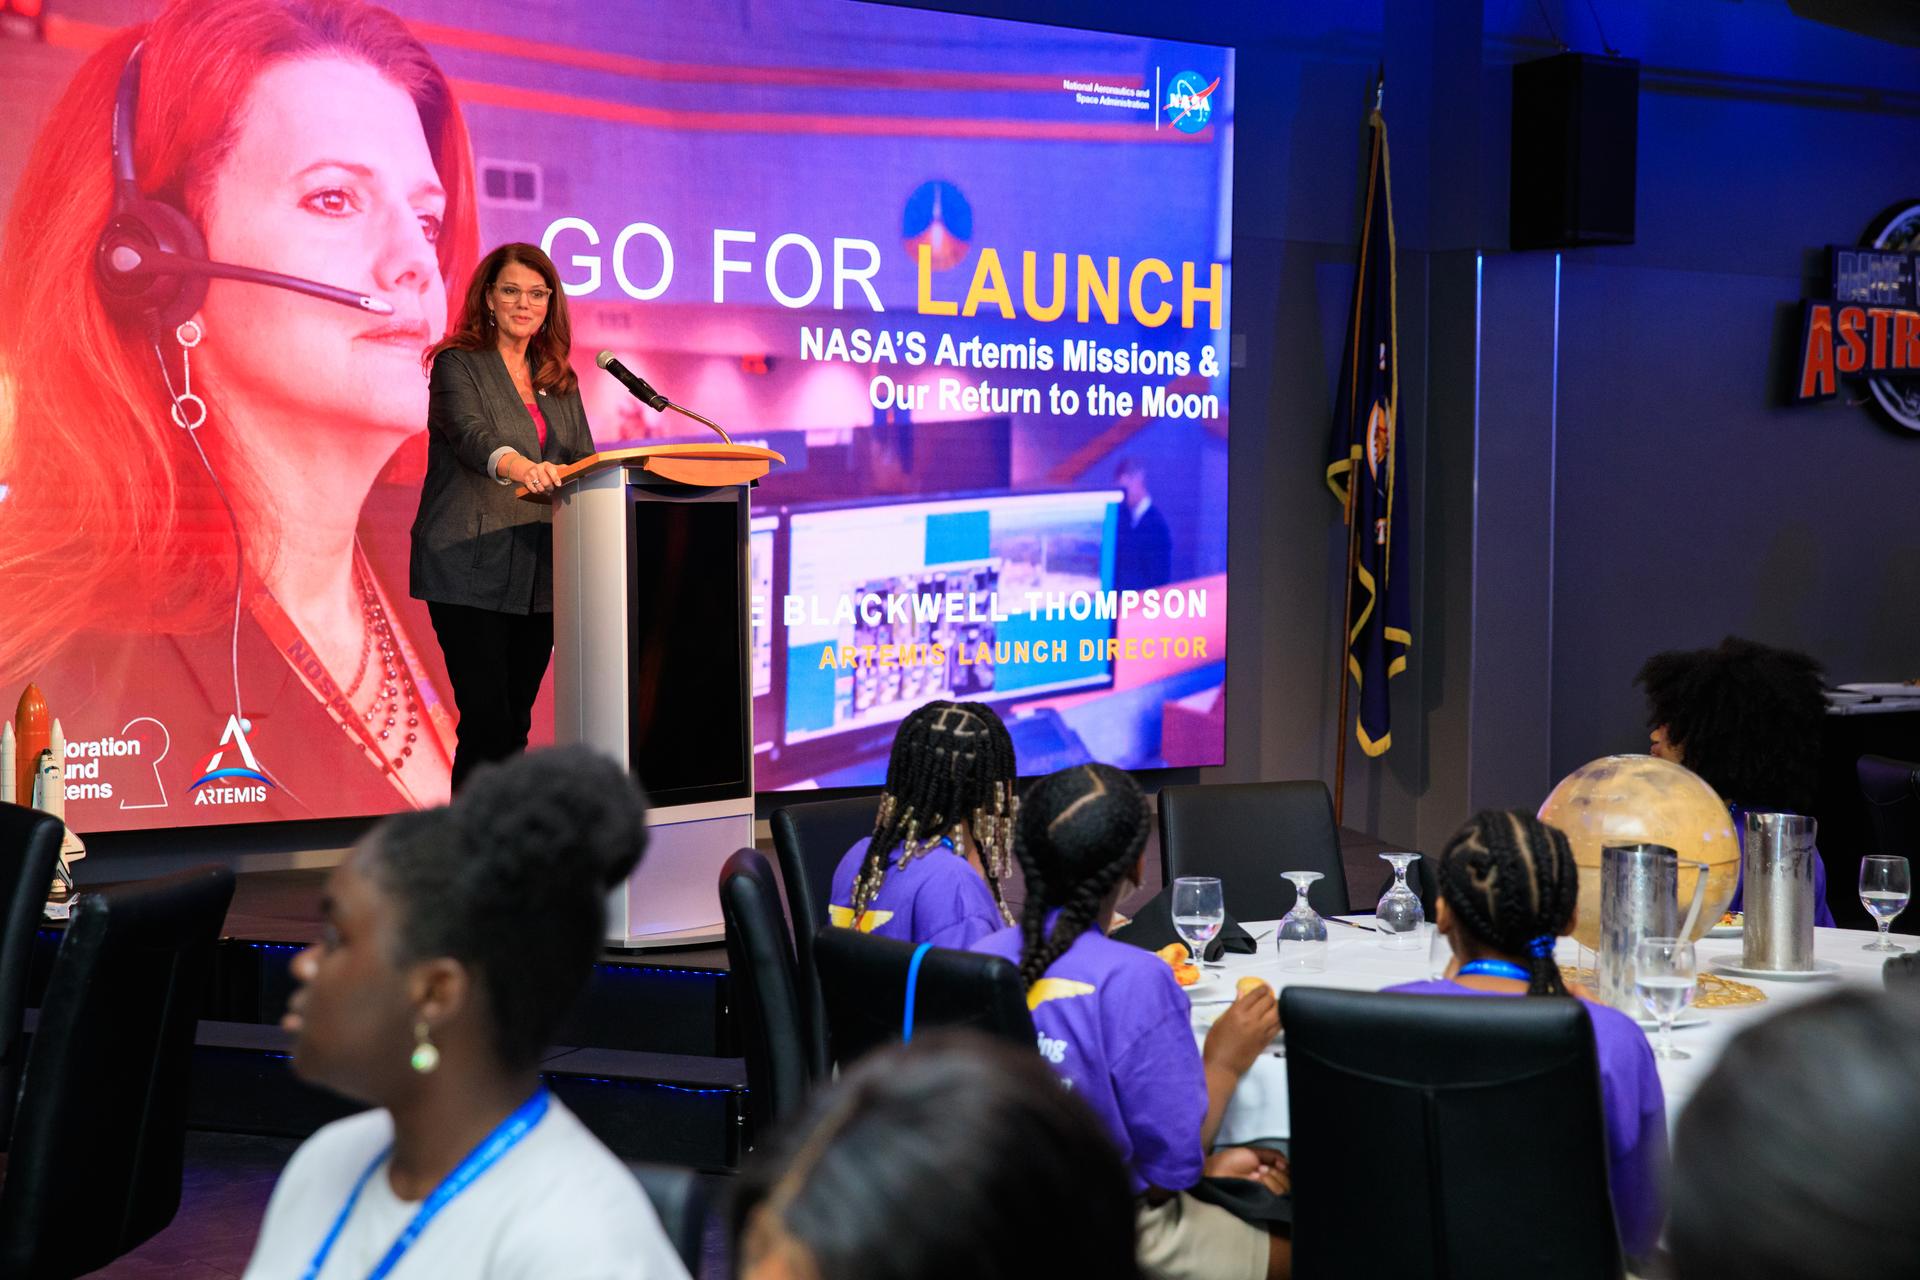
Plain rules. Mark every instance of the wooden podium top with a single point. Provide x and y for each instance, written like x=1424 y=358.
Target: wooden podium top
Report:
x=706 y=466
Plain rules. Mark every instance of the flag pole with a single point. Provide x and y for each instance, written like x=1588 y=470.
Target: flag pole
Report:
x=1344 y=654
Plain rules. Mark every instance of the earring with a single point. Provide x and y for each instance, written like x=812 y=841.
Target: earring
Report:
x=425 y=1055
x=188 y=409
x=489 y=315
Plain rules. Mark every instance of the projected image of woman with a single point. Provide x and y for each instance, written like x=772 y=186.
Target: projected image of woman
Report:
x=318 y=140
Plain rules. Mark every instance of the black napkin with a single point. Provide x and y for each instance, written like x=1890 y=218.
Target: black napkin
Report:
x=1152 y=928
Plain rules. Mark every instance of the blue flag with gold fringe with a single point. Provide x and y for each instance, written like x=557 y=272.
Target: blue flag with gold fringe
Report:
x=1363 y=466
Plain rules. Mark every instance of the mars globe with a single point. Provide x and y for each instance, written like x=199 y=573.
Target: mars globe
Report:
x=1640 y=799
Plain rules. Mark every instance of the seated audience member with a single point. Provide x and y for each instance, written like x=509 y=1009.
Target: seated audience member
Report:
x=456 y=940
x=1113 y=1021
x=1508 y=886
x=941 y=843
x=953 y=1158
x=1799 y=1156
x=1747 y=718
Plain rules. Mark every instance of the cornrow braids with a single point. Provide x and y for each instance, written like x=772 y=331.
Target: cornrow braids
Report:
x=1079 y=831
x=1512 y=881
x=951 y=770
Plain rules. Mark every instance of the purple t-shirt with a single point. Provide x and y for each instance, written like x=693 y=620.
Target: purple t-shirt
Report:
x=937 y=897
x=1822 y=913
x=1636 y=1110
x=1115 y=1024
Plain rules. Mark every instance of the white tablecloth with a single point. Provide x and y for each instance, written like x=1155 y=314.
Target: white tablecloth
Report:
x=1358 y=961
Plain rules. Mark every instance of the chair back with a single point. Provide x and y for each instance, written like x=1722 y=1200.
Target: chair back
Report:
x=681 y=1205
x=766 y=1009
x=29 y=847
x=1459 y=1138
x=864 y=979
x=1248 y=834
x=810 y=840
x=95 y=1165
x=1892 y=791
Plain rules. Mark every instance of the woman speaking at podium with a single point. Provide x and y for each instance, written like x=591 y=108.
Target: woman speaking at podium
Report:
x=503 y=409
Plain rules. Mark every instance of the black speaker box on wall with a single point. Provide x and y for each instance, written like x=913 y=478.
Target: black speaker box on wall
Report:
x=1576 y=131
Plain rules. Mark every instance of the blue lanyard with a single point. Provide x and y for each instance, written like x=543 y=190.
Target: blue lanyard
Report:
x=482 y=1158
x=1496 y=969
x=913 y=988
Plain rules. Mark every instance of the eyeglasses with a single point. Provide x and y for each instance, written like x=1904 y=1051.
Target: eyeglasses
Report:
x=511 y=293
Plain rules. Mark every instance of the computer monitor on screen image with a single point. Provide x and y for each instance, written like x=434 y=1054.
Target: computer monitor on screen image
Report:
x=887 y=605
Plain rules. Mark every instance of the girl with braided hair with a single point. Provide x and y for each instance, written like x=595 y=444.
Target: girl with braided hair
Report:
x=942 y=843
x=1508 y=887
x=456 y=940
x=1112 y=1021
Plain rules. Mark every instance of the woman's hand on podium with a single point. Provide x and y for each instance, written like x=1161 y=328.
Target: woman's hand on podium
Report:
x=538 y=477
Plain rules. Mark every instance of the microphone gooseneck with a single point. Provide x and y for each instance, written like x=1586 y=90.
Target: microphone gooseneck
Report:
x=644 y=392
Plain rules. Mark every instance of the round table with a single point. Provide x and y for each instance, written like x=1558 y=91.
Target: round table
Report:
x=1357 y=960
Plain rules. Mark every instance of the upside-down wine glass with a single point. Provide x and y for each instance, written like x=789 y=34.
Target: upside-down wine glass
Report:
x=1399 y=914
x=1303 y=934
x=1886 y=886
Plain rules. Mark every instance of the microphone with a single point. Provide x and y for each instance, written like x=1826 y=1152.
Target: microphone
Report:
x=651 y=398
x=120 y=259
x=633 y=382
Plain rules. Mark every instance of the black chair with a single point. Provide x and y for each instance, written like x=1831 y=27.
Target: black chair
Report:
x=1892 y=791
x=863 y=979
x=766 y=1008
x=681 y=1203
x=1491 y=1112
x=29 y=847
x=1248 y=833
x=97 y=1144
x=810 y=840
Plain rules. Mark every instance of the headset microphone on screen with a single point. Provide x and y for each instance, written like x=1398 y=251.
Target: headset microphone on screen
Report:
x=151 y=261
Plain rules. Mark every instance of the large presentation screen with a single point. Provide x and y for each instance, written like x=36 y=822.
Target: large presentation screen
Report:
x=971 y=277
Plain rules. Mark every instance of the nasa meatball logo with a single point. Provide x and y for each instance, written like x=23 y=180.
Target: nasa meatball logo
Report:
x=231 y=779
x=1189 y=104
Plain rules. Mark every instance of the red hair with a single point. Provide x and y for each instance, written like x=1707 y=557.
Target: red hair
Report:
x=472 y=328
x=109 y=519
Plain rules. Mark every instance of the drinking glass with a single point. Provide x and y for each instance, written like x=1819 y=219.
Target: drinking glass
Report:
x=1303 y=934
x=1199 y=910
x=1663 y=976
x=1886 y=883
x=1399 y=914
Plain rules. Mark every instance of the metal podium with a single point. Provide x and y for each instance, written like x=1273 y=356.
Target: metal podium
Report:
x=650 y=649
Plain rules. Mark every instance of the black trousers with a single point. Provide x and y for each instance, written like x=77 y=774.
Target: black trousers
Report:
x=495 y=662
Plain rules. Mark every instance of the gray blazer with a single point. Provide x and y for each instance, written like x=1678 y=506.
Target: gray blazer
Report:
x=474 y=543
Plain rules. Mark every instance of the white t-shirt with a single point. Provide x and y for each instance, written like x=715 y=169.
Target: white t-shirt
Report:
x=557 y=1206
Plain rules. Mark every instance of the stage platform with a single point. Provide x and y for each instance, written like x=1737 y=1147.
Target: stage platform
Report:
x=648 y=1059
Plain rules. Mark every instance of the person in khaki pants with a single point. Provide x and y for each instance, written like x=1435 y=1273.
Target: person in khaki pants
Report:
x=1113 y=1021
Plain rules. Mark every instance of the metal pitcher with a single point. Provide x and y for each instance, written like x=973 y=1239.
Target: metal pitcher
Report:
x=1639 y=898
x=1776 y=867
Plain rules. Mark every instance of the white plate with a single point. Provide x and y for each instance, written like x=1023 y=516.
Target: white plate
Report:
x=1734 y=930
x=1821 y=969
x=1883 y=689
x=1679 y=1024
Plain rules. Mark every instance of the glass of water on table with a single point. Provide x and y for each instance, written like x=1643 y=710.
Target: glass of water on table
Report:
x=1199 y=912
x=1663 y=976
x=1886 y=885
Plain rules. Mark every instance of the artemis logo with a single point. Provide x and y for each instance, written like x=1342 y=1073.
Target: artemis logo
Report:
x=237 y=781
